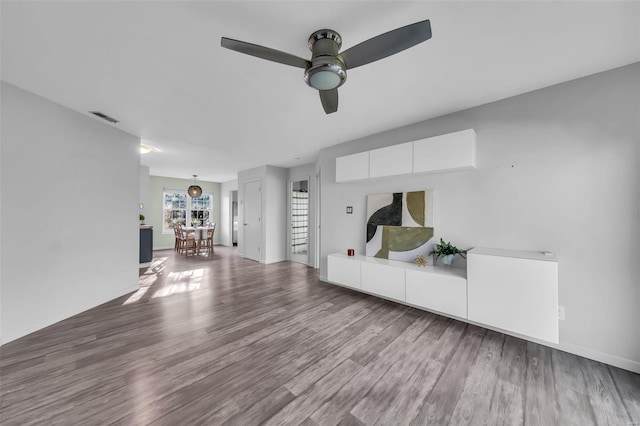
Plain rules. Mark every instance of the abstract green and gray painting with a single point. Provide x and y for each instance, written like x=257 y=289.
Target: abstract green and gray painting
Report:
x=400 y=225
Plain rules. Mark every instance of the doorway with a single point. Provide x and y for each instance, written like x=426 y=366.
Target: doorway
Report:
x=233 y=214
x=299 y=218
x=252 y=229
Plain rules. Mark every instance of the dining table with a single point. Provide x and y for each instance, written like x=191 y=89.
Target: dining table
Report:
x=200 y=234
x=201 y=231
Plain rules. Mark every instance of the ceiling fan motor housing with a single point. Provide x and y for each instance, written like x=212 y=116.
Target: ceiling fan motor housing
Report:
x=327 y=70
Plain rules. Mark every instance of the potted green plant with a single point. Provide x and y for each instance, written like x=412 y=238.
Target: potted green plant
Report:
x=141 y=219
x=446 y=251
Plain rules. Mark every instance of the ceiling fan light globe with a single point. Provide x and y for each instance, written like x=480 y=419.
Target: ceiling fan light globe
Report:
x=324 y=80
x=325 y=76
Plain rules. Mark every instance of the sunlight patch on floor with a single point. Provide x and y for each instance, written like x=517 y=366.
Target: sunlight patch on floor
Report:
x=177 y=288
x=181 y=282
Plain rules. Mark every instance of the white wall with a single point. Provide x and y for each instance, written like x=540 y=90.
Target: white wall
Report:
x=275 y=197
x=307 y=171
x=558 y=170
x=225 y=211
x=69 y=212
x=273 y=211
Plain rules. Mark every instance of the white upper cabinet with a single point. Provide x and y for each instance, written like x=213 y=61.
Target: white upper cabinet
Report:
x=352 y=167
x=450 y=152
x=453 y=151
x=392 y=160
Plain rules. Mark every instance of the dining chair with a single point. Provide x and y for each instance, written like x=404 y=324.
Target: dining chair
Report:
x=207 y=242
x=188 y=242
x=177 y=230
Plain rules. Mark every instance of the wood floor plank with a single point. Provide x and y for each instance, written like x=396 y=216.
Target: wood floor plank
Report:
x=225 y=339
x=317 y=345
x=385 y=402
x=603 y=394
x=306 y=403
x=541 y=404
x=389 y=334
x=571 y=390
x=440 y=403
x=476 y=397
x=336 y=410
x=628 y=385
x=507 y=403
x=262 y=410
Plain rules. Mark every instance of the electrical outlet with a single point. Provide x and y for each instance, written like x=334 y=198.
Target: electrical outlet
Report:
x=561 y=313
x=349 y=209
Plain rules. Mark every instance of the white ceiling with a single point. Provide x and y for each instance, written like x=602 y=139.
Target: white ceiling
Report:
x=159 y=68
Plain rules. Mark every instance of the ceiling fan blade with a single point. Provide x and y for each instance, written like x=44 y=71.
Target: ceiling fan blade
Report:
x=329 y=99
x=386 y=44
x=264 y=52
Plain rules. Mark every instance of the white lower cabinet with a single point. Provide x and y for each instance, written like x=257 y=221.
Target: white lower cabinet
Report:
x=446 y=293
x=344 y=270
x=515 y=291
x=384 y=280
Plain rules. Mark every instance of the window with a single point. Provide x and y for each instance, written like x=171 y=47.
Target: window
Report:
x=178 y=207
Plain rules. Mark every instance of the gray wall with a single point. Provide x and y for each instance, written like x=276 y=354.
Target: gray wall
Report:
x=69 y=186
x=558 y=170
x=154 y=215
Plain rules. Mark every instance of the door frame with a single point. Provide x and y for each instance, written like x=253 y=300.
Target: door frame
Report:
x=244 y=218
x=230 y=224
x=318 y=218
x=289 y=213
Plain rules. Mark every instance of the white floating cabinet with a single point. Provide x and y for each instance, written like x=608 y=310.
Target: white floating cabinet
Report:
x=508 y=290
x=391 y=161
x=344 y=270
x=450 y=152
x=384 y=280
x=515 y=291
x=352 y=167
x=439 y=289
x=444 y=292
x=453 y=151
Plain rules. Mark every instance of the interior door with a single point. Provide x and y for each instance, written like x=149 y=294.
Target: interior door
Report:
x=252 y=221
x=299 y=207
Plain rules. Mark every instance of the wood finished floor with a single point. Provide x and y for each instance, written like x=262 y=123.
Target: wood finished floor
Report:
x=230 y=341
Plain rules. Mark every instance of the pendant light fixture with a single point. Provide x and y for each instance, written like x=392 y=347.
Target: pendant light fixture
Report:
x=194 y=190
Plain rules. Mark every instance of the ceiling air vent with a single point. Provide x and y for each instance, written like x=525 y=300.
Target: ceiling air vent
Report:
x=105 y=117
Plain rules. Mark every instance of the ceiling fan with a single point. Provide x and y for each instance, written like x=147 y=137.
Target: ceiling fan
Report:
x=327 y=69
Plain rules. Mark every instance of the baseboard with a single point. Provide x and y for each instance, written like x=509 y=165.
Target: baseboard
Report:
x=614 y=360
x=274 y=260
x=39 y=325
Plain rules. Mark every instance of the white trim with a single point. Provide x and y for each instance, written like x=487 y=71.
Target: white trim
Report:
x=261 y=248
x=289 y=255
x=616 y=361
